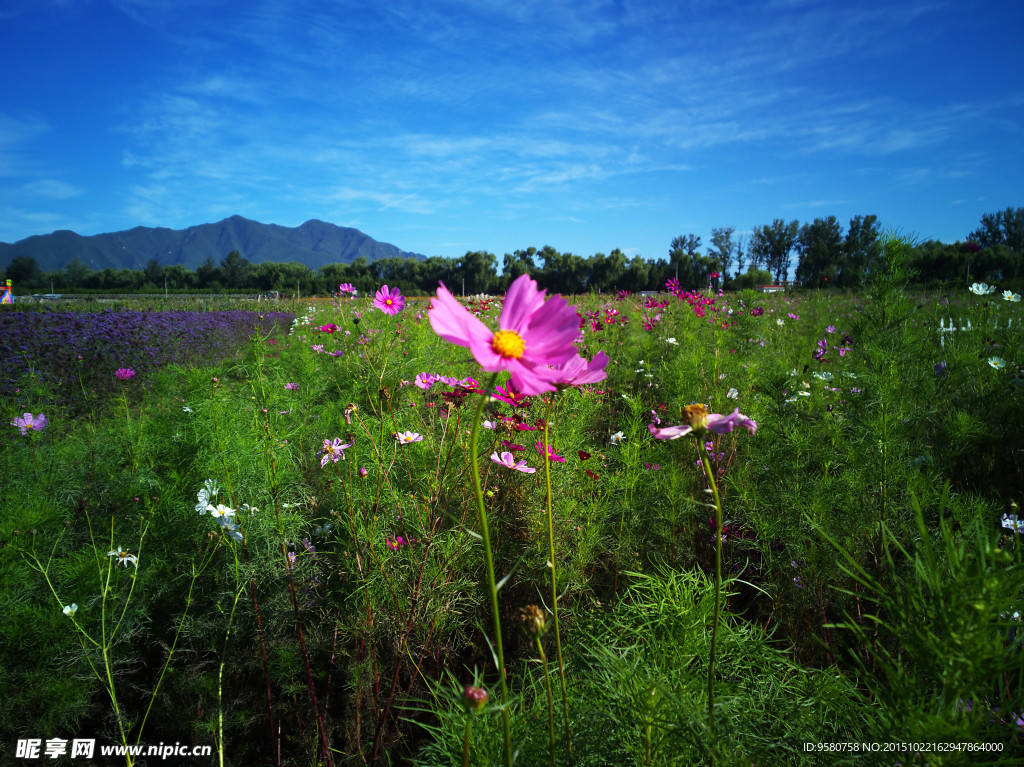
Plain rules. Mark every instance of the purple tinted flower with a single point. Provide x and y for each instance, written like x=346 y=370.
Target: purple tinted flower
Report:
x=507 y=460
x=291 y=386
x=29 y=421
x=125 y=373
x=333 y=451
x=940 y=369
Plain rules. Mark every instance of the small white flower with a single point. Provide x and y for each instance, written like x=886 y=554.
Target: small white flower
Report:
x=220 y=512
x=982 y=289
x=780 y=322
x=1012 y=297
x=617 y=437
x=722 y=376
x=249 y=509
x=672 y=341
x=187 y=409
x=803 y=393
x=732 y=394
x=1012 y=522
x=70 y=609
x=123 y=557
x=997 y=362
x=791 y=399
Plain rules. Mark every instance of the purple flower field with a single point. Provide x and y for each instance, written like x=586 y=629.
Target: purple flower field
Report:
x=61 y=345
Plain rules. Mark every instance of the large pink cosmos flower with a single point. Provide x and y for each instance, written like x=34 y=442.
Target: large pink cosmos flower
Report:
x=533 y=334
x=389 y=300
x=697 y=418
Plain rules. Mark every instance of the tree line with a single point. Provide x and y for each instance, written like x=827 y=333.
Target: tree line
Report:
x=826 y=255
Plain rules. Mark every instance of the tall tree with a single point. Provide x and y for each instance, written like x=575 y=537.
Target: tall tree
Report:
x=722 y=248
x=683 y=257
x=771 y=245
x=1001 y=228
x=861 y=250
x=820 y=252
x=235 y=270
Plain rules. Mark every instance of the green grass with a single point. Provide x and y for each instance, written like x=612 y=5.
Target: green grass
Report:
x=870 y=589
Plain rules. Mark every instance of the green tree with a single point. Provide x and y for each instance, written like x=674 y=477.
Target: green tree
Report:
x=207 y=273
x=234 y=270
x=683 y=257
x=75 y=273
x=25 y=273
x=820 y=253
x=771 y=245
x=479 y=269
x=1001 y=228
x=862 y=251
x=723 y=249
x=154 y=273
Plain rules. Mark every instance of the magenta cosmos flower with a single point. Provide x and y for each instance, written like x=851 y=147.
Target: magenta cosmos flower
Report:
x=29 y=421
x=125 y=373
x=533 y=334
x=551 y=454
x=508 y=460
x=697 y=418
x=389 y=301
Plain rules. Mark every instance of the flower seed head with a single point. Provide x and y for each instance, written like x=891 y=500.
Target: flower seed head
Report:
x=533 y=620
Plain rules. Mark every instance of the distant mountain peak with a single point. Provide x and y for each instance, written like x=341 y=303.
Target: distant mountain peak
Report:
x=314 y=243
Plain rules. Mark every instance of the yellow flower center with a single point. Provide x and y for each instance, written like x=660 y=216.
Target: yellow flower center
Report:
x=508 y=343
x=388 y=301
x=696 y=416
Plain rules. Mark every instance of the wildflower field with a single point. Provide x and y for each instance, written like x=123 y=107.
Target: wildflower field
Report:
x=686 y=528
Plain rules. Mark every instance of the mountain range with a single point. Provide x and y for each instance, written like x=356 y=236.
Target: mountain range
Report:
x=314 y=243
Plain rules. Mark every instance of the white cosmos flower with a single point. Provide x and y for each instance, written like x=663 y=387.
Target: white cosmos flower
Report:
x=997 y=362
x=672 y=341
x=982 y=289
x=70 y=610
x=123 y=557
x=1012 y=297
x=617 y=437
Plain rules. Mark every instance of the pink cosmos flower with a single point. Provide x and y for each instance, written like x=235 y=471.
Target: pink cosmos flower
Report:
x=124 y=373
x=389 y=300
x=333 y=451
x=552 y=456
x=29 y=421
x=508 y=460
x=408 y=436
x=291 y=386
x=346 y=287
x=328 y=328
x=697 y=418
x=578 y=371
x=533 y=334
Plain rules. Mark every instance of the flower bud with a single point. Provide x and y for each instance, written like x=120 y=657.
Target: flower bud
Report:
x=474 y=698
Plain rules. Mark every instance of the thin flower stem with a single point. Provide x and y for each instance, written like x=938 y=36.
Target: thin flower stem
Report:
x=554 y=580
x=491 y=587
x=718 y=587
x=551 y=700
x=465 y=741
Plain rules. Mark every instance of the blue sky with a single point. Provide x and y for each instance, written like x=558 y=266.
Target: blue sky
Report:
x=443 y=127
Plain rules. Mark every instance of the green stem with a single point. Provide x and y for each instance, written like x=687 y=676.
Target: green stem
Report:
x=554 y=582
x=718 y=587
x=465 y=741
x=491 y=587
x=551 y=700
